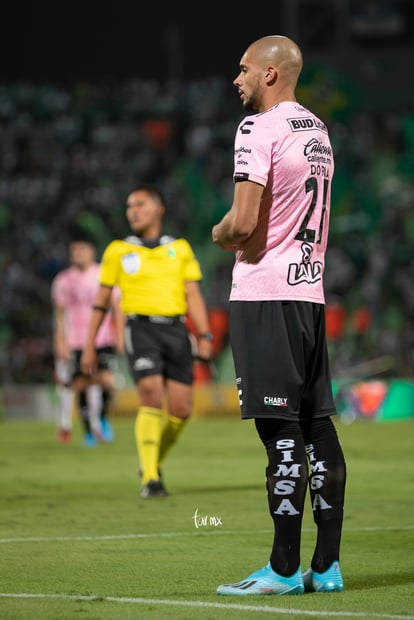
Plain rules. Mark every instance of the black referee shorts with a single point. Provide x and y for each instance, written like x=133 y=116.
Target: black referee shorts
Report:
x=281 y=359
x=157 y=346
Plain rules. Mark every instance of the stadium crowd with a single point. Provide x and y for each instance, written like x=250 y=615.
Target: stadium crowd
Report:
x=71 y=154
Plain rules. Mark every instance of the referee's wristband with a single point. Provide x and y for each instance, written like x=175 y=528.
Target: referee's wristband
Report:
x=100 y=309
x=206 y=336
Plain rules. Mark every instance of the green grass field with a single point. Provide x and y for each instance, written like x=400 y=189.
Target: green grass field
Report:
x=76 y=541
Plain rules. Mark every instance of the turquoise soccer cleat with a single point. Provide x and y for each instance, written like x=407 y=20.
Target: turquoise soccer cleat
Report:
x=265 y=581
x=107 y=431
x=90 y=441
x=328 y=581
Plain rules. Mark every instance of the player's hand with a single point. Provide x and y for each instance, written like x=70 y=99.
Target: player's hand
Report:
x=62 y=351
x=88 y=361
x=218 y=240
x=204 y=349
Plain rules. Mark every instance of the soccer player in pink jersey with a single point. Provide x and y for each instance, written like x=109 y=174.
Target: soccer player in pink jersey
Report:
x=73 y=293
x=278 y=228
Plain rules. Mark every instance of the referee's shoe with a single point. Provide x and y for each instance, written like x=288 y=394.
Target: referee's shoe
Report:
x=153 y=488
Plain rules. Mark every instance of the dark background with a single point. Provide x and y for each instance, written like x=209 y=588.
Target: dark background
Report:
x=68 y=41
x=371 y=42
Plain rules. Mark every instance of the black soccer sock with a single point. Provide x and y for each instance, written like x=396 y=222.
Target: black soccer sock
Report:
x=84 y=411
x=327 y=489
x=286 y=483
x=106 y=397
x=327 y=545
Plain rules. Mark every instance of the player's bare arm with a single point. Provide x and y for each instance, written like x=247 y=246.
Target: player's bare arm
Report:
x=100 y=308
x=241 y=220
x=60 y=341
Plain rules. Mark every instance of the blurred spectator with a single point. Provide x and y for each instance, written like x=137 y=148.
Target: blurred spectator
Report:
x=70 y=154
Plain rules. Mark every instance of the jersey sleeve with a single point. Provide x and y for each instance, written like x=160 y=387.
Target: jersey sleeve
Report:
x=253 y=149
x=192 y=269
x=58 y=291
x=109 y=267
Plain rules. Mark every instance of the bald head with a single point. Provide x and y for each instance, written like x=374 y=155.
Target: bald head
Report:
x=270 y=67
x=281 y=52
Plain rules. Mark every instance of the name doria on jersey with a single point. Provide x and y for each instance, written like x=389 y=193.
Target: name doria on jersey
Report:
x=306 y=124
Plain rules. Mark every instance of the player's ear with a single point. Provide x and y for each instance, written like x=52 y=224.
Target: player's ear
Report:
x=271 y=75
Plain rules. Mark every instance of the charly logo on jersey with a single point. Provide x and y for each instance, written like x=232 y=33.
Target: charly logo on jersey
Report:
x=305 y=271
x=131 y=262
x=246 y=127
x=275 y=401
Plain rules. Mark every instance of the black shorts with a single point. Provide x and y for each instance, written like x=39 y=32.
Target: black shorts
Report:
x=159 y=346
x=281 y=359
x=104 y=357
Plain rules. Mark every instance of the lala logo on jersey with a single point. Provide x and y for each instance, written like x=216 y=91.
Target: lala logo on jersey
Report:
x=131 y=262
x=305 y=271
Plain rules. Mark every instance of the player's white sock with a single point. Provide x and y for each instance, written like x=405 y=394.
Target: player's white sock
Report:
x=65 y=407
x=94 y=399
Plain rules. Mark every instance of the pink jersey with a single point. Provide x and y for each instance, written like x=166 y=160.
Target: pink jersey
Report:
x=76 y=290
x=287 y=150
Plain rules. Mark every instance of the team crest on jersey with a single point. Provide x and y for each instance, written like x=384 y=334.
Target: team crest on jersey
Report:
x=131 y=263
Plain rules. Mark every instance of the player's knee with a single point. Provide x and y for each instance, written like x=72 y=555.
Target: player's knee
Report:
x=182 y=411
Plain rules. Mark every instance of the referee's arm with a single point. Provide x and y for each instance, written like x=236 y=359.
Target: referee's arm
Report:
x=197 y=311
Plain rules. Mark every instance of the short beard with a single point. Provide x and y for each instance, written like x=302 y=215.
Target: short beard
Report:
x=248 y=106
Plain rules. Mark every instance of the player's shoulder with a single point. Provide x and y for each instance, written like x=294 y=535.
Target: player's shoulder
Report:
x=132 y=242
x=288 y=118
x=63 y=274
x=166 y=239
x=299 y=118
x=178 y=246
x=64 y=280
x=177 y=242
x=94 y=267
x=259 y=128
x=118 y=245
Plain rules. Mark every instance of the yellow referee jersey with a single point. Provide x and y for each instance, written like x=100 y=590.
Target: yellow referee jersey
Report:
x=151 y=280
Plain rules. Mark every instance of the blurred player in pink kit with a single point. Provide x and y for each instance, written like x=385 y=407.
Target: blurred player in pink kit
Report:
x=73 y=293
x=278 y=227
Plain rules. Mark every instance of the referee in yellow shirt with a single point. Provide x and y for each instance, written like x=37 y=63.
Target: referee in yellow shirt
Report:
x=158 y=276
